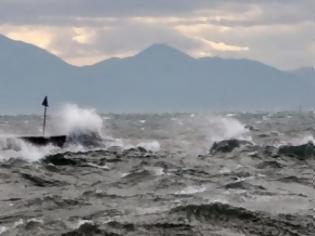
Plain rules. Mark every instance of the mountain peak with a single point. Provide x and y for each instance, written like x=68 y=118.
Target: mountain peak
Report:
x=161 y=50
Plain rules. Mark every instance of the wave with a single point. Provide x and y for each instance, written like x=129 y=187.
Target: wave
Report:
x=242 y=220
x=84 y=129
x=302 y=152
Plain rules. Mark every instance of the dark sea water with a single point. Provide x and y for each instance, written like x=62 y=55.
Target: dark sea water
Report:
x=154 y=174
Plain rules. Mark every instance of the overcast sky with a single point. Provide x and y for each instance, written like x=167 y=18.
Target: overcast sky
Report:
x=276 y=32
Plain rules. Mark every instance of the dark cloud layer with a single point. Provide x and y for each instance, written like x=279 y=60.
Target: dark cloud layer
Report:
x=33 y=10
x=43 y=11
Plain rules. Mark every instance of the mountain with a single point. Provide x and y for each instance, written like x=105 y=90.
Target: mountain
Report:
x=305 y=73
x=159 y=78
x=28 y=58
x=163 y=78
x=27 y=73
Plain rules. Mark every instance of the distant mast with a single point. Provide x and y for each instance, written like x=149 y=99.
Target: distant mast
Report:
x=45 y=104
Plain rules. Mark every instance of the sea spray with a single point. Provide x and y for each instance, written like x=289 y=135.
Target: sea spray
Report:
x=81 y=125
x=153 y=145
x=220 y=128
x=298 y=140
x=195 y=134
x=74 y=119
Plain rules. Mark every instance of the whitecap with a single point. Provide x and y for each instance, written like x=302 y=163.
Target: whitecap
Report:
x=192 y=190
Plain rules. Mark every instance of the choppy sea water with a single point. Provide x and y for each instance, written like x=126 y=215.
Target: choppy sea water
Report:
x=154 y=174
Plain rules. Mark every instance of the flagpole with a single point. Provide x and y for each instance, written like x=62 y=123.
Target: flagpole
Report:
x=45 y=104
x=44 y=122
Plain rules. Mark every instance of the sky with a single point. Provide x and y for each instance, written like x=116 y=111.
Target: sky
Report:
x=277 y=32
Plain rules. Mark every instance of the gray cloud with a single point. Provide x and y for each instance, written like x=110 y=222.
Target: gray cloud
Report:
x=39 y=11
x=285 y=46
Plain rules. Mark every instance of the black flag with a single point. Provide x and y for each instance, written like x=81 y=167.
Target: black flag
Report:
x=45 y=102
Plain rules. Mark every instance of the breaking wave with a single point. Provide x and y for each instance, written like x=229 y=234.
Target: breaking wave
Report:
x=197 y=132
x=11 y=147
x=76 y=121
x=83 y=128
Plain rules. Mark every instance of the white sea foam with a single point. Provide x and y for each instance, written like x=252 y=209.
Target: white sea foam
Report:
x=17 y=148
x=153 y=146
x=158 y=171
x=150 y=145
x=35 y=220
x=192 y=190
x=104 y=167
x=18 y=223
x=3 y=229
x=301 y=139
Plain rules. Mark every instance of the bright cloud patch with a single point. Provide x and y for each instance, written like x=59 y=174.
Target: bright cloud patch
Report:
x=84 y=35
x=41 y=38
x=220 y=46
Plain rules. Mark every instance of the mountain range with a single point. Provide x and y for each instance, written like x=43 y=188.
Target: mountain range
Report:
x=158 y=79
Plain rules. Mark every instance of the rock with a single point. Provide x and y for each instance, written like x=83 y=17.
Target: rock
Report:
x=229 y=145
x=39 y=181
x=269 y=164
x=243 y=185
x=85 y=138
x=263 y=135
x=60 y=160
x=136 y=152
x=89 y=229
x=251 y=128
x=301 y=152
x=115 y=149
x=270 y=151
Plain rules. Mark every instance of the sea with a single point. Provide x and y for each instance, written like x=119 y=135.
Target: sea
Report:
x=229 y=174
